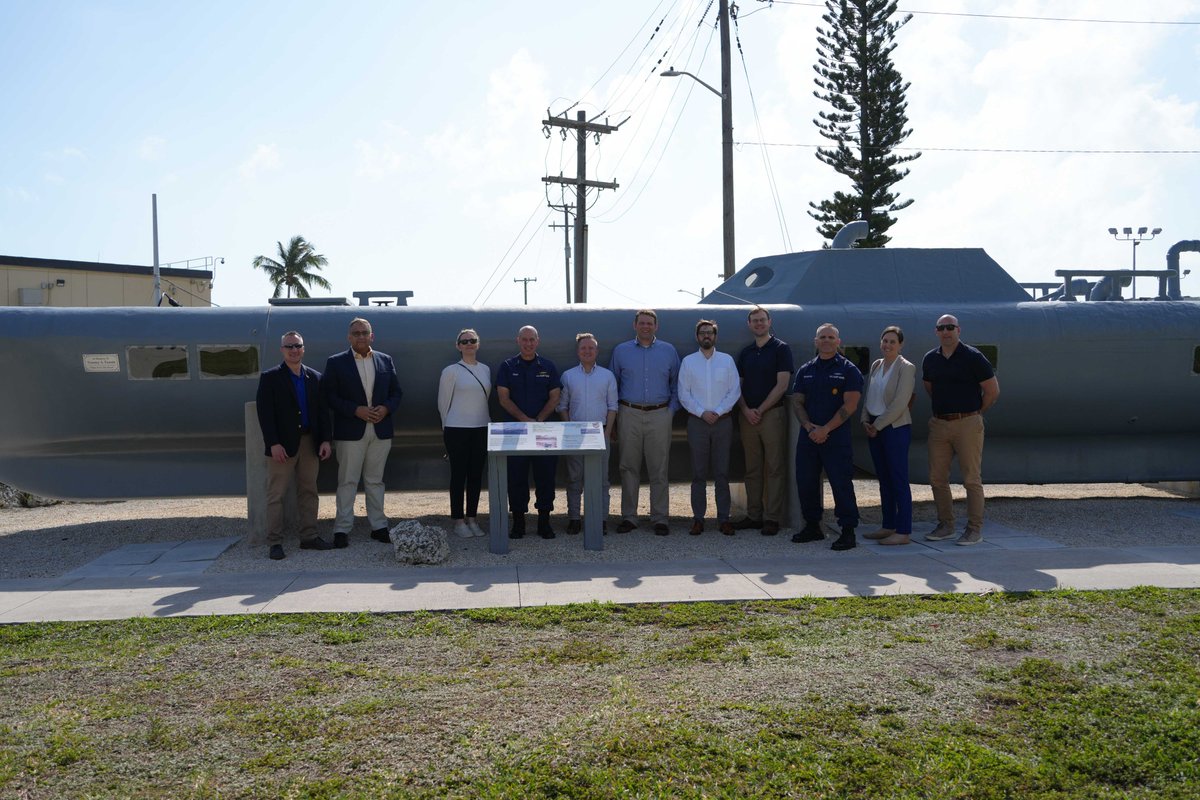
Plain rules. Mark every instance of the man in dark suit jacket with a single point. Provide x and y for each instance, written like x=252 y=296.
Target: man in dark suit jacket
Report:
x=362 y=391
x=295 y=429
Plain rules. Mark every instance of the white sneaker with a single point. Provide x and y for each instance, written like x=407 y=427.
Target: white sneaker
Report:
x=461 y=529
x=475 y=529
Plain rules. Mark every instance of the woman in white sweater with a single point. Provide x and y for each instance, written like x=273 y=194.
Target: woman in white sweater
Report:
x=888 y=423
x=463 y=403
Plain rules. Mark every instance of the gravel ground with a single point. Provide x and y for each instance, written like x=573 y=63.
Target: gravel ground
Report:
x=47 y=542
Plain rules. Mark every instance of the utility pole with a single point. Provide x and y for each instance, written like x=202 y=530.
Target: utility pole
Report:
x=726 y=142
x=566 y=226
x=582 y=128
x=525 y=281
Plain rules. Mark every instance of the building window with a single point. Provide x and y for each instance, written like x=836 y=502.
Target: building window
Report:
x=991 y=353
x=165 y=362
x=228 y=361
x=859 y=357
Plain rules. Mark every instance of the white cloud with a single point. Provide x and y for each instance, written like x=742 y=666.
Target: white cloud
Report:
x=264 y=158
x=151 y=148
x=380 y=158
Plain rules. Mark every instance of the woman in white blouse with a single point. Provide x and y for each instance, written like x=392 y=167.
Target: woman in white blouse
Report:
x=888 y=423
x=463 y=403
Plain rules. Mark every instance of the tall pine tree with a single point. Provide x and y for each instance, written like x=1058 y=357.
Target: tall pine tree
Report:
x=867 y=118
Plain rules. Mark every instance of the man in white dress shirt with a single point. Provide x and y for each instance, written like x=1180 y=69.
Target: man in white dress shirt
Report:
x=709 y=388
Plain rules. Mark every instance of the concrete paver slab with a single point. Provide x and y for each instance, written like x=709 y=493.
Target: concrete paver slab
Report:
x=647 y=582
x=200 y=550
x=122 y=598
x=865 y=577
x=395 y=590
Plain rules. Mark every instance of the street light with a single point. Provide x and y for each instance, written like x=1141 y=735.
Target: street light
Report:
x=726 y=136
x=1127 y=235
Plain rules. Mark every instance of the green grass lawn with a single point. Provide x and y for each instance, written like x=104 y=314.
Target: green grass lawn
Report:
x=1056 y=695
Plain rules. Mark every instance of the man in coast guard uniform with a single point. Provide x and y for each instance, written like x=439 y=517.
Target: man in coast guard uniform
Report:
x=825 y=394
x=528 y=386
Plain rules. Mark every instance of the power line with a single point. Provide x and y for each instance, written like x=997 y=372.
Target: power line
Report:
x=995 y=149
x=1022 y=17
x=500 y=263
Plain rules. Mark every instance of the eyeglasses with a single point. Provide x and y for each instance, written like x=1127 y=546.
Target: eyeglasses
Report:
x=293 y=347
x=947 y=327
x=468 y=341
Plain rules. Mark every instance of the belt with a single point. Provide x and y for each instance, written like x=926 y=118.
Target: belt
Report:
x=956 y=415
x=641 y=407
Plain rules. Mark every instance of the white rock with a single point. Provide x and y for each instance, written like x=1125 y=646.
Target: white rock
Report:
x=415 y=543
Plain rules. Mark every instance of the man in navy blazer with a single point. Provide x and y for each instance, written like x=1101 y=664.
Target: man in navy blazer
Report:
x=296 y=436
x=362 y=392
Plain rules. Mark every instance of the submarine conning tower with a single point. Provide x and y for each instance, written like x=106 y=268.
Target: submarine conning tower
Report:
x=871 y=275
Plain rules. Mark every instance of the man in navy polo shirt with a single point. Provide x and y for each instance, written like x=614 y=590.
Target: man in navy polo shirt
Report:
x=825 y=394
x=527 y=386
x=962 y=385
x=766 y=369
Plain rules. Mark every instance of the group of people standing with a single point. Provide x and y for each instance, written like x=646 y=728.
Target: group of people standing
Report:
x=645 y=384
x=305 y=414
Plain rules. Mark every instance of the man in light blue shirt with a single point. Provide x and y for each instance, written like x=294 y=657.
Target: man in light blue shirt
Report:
x=709 y=388
x=589 y=394
x=646 y=369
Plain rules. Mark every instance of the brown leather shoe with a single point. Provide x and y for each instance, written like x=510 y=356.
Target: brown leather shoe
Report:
x=770 y=528
x=727 y=528
x=896 y=538
x=697 y=527
x=880 y=534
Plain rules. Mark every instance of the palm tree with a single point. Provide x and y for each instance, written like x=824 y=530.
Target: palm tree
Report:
x=296 y=269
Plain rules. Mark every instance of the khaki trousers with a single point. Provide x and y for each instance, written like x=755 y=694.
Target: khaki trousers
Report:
x=303 y=469
x=963 y=438
x=363 y=459
x=766 y=448
x=644 y=435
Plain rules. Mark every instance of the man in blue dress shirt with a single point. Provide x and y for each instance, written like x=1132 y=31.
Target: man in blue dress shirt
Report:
x=589 y=394
x=647 y=370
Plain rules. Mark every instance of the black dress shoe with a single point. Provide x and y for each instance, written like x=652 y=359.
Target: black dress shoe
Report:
x=770 y=528
x=846 y=541
x=277 y=552
x=382 y=535
x=661 y=529
x=315 y=543
x=810 y=533
x=544 y=530
x=749 y=524
x=341 y=540
x=518 y=526
x=574 y=526
x=626 y=526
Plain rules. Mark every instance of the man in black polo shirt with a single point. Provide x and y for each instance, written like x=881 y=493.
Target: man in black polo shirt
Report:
x=963 y=386
x=766 y=369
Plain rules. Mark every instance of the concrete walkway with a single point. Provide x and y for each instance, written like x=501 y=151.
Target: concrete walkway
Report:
x=168 y=579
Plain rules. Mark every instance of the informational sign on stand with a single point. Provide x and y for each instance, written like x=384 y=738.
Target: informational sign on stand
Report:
x=584 y=439
x=551 y=437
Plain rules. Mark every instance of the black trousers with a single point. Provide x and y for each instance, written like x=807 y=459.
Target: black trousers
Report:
x=467 y=450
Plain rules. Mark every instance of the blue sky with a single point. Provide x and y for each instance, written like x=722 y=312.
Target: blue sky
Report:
x=404 y=139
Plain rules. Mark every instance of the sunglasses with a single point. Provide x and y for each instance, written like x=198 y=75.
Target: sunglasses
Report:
x=468 y=341
x=293 y=347
x=947 y=327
